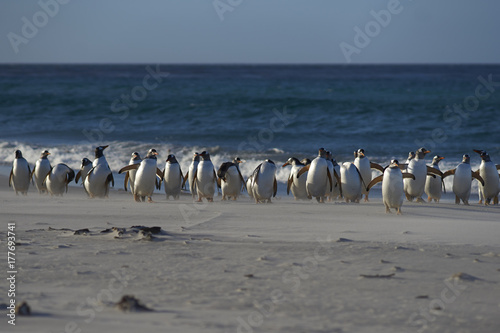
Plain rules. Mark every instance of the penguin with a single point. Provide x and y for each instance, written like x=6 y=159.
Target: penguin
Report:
x=20 y=174
x=205 y=178
x=189 y=177
x=58 y=178
x=84 y=170
x=264 y=184
x=40 y=171
x=411 y=155
x=488 y=171
x=352 y=182
x=392 y=185
x=173 y=177
x=414 y=188
x=295 y=184
x=145 y=177
x=230 y=179
x=319 y=181
x=96 y=184
x=365 y=169
x=130 y=175
x=462 y=180
x=434 y=183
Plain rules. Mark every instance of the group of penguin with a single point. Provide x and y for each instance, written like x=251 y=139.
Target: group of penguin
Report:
x=321 y=178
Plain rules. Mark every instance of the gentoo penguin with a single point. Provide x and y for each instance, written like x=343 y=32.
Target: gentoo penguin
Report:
x=295 y=184
x=205 y=178
x=191 y=173
x=173 y=177
x=40 y=171
x=84 y=170
x=20 y=175
x=392 y=186
x=58 y=179
x=365 y=169
x=145 y=178
x=434 y=183
x=488 y=171
x=130 y=175
x=230 y=179
x=462 y=180
x=414 y=188
x=411 y=156
x=319 y=180
x=96 y=184
x=264 y=184
x=352 y=182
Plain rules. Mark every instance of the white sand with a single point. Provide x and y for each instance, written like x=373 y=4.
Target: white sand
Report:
x=241 y=267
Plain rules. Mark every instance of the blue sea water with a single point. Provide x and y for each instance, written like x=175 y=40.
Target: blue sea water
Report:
x=255 y=112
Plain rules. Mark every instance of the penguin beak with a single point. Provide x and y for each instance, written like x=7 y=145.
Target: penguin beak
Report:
x=427 y=151
x=478 y=151
x=104 y=147
x=284 y=165
x=441 y=158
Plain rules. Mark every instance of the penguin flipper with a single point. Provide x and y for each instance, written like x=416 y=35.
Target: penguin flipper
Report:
x=329 y=179
x=498 y=166
x=78 y=175
x=11 y=177
x=337 y=177
x=159 y=173
x=32 y=172
x=125 y=181
x=376 y=166
x=129 y=167
x=433 y=171
x=185 y=179
x=275 y=189
x=219 y=181
x=111 y=180
x=256 y=174
x=241 y=177
x=303 y=170
x=44 y=182
x=478 y=177
x=361 y=177
x=374 y=181
x=449 y=173
x=408 y=175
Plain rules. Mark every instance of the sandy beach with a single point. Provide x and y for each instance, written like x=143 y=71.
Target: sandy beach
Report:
x=239 y=267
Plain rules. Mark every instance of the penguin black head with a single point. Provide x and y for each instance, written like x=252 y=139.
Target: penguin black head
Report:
x=152 y=154
x=306 y=161
x=85 y=161
x=360 y=153
x=437 y=159
x=291 y=161
x=270 y=161
x=171 y=158
x=237 y=160
x=466 y=159
x=421 y=152
x=44 y=154
x=99 y=151
x=19 y=154
x=411 y=155
x=394 y=164
x=484 y=155
x=196 y=157
x=205 y=156
x=322 y=152
x=135 y=156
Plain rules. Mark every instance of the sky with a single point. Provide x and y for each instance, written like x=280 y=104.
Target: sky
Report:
x=249 y=31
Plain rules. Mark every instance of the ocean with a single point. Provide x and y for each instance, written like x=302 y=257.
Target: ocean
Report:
x=251 y=111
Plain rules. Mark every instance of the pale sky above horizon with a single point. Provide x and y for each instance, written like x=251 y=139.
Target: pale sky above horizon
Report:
x=250 y=31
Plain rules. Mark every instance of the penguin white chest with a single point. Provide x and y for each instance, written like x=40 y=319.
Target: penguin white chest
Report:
x=145 y=177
